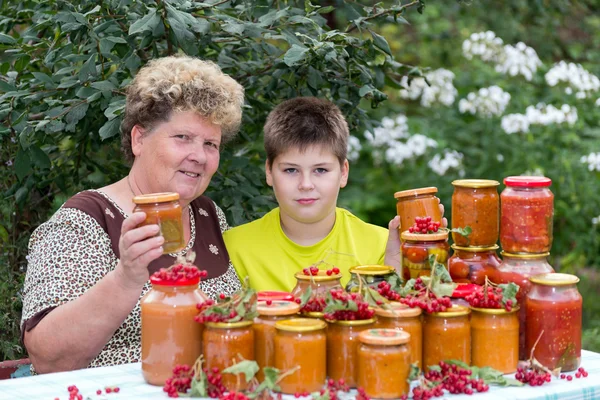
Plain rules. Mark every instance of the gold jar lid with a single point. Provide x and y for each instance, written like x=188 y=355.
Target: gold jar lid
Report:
x=524 y=256
x=354 y=322
x=495 y=311
x=320 y=277
x=554 y=279
x=384 y=337
x=424 y=237
x=313 y=314
x=229 y=325
x=156 y=198
x=398 y=310
x=473 y=249
x=454 y=311
x=371 y=270
x=475 y=183
x=277 y=307
x=404 y=194
x=300 y=325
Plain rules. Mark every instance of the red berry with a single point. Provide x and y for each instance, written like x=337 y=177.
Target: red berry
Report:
x=269 y=302
x=569 y=377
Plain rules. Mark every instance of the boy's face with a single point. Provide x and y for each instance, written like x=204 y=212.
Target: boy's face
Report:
x=306 y=184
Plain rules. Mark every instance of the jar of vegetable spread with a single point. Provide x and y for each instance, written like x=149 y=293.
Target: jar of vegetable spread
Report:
x=473 y=264
x=320 y=285
x=403 y=318
x=416 y=249
x=526 y=216
x=384 y=363
x=372 y=275
x=475 y=203
x=554 y=312
x=495 y=338
x=301 y=342
x=447 y=336
x=164 y=210
x=413 y=203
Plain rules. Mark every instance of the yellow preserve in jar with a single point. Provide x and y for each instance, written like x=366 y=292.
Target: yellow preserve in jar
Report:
x=447 y=336
x=164 y=210
x=495 y=338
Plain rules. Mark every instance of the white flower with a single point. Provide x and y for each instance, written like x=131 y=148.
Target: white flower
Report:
x=451 y=159
x=483 y=45
x=598 y=102
x=515 y=123
x=488 y=102
x=519 y=60
x=596 y=220
x=440 y=88
x=499 y=157
x=354 y=148
x=536 y=172
x=391 y=131
x=541 y=114
x=576 y=78
x=592 y=160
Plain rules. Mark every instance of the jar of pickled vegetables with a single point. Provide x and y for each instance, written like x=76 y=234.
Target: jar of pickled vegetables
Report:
x=403 y=318
x=495 y=338
x=416 y=249
x=447 y=336
x=164 y=210
x=371 y=274
x=414 y=203
x=320 y=285
x=473 y=264
x=526 y=216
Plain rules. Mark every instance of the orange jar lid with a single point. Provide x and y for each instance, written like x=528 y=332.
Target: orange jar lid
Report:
x=524 y=256
x=156 y=198
x=554 y=279
x=300 y=325
x=414 y=192
x=387 y=337
x=424 y=237
x=320 y=277
x=398 y=310
x=454 y=311
x=475 y=183
x=372 y=270
x=277 y=307
x=354 y=322
x=473 y=249
x=229 y=325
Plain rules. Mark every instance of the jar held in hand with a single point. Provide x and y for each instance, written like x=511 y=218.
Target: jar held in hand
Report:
x=164 y=210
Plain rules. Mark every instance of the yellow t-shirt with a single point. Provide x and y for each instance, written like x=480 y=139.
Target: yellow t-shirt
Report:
x=261 y=250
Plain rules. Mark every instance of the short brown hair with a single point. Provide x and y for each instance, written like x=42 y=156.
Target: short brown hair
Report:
x=305 y=121
x=181 y=83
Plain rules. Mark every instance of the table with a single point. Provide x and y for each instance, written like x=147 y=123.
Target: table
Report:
x=128 y=378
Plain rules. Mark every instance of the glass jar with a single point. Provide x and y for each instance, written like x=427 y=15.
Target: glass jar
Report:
x=554 y=312
x=420 y=202
x=164 y=210
x=264 y=330
x=526 y=216
x=320 y=285
x=416 y=249
x=495 y=338
x=401 y=317
x=342 y=344
x=170 y=335
x=475 y=203
x=517 y=268
x=473 y=264
x=384 y=363
x=371 y=274
x=224 y=342
x=447 y=336
x=301 y=342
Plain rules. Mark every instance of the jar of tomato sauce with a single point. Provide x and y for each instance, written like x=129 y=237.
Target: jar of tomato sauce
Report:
x=164 y=210
x=416 y=249
x=371 y=274
x=320 y=285
x=526 y=216
x=384 y=363
x=168 y=327
x=473 y=264
x=342 y=343
x=447 y=336
x=301 y=342
x=413 y=203
x=495 y=338
x=403 y=318
x=475 y=203
x=223 y=342
x=554 y=312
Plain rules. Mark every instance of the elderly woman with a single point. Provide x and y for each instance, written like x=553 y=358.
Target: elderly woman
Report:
x=90 y=263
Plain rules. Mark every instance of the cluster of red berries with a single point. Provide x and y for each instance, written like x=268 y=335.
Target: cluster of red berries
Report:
x=315 y=271
x=424 y=225
x=334 y=387
x=74 y=393
x=426 y=299
x=215 y=387
x=180 y=382
x=314 y=304
x=581 y=373
x=179 y=273
x=203 y=317
x=362 y=307
x=234 y=396
x=488 y=297
x=452 y=378
x=385 y=290
x=533 y=377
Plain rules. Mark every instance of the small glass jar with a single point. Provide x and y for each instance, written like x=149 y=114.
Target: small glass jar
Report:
x=447 y=336
x=403 y=318
x=301 y=342
x=475 y=203
x=320 y=285
x=224 y=342
x=371 y=274
x=413 y=203
x=168 y=327
x=495 y=338
x=342 y=343
x=264 y=330
x=554 y=314
x=526 y=216
x=383 y=360
x=164 y=210
x=416 y=249
x=473 y=264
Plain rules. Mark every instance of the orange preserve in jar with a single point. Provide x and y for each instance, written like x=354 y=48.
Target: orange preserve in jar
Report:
x=475 y=203
x=473 y=264
x=403 y=318
x=526 y=214
x=170 y=336
x=320 y=285
x=163 y=209
x=384 y=363
x=342 y=344
x=413 y=203
x=416 y=249
x=554 y=312
x=495 y=338
x=301 y=342
x=269 y=312
x=447 y=336
x=223 y=342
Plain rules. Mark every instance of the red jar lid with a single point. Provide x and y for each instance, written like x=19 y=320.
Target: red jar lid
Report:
x=527 y=181
x=274 y=295
x=464 y=289
x=156 y=280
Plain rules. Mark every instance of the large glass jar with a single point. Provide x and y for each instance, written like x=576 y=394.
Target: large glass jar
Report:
x=413 y=203
x=401 y=317
x=320 y=285
x=447 y=336
x=554 y=312
x=371 y=274
x=517 y=268
x=269 y=312
x=495 y=338
x=342 y=344
x=416 y=249
x=223 y=342
x=164 y=210
x=473 y=264
x=526 y=216
x=383 y=363
x=475 y=203
x=170 y=336
x=301 y=342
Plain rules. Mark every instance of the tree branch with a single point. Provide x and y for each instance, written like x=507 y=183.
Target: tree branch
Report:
x=353 y=25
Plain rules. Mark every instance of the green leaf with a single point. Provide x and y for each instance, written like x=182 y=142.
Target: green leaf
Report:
x=40 y=76
x=365 y=90
x=271 y=376
x=459 y=363
x=6 y=39
x=147 y=23
x=22 y=164
x=444 y=289
x=439 y=270
x=115 y=109
x=305 y=296
x=509 y=292
x=76 y=113
x=380 y=42
x=295 y=55
x=110 y=129
x=88 y=69
x=6 y=87
x=103 y=85
x=39 y=156
x=21 y=195
x=22 y=63
x=247 y=367
x=4 y=239
x=234 y=28
x=199 y=387
x=325 y=10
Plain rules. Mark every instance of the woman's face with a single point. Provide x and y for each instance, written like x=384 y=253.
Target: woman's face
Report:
x=180 y=155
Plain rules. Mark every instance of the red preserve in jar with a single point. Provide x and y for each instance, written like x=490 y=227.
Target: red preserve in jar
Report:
x=473 y=264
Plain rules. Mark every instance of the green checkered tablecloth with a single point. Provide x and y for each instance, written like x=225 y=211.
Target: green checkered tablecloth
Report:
x=129 y=379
